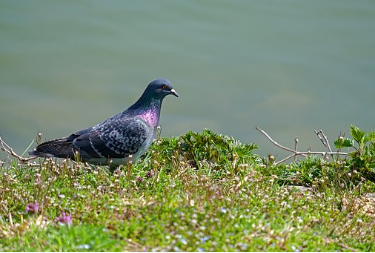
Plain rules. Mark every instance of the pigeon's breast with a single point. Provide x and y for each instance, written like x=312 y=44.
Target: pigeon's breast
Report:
x=151 y=117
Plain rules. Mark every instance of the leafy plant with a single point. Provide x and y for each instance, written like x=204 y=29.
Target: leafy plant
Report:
x=363 y=156
x=199 y=150
x=215 y=148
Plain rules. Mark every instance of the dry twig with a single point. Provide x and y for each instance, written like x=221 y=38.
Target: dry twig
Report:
x=323 y=138
x=296 y=153
x=5 y=147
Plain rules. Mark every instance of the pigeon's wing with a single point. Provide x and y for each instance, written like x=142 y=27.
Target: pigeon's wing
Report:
x=114 y=139
x=62 y=147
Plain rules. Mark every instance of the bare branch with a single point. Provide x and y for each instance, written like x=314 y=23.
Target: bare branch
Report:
x=295 y=153
x=295 y=146
x=323 y=138
x=6 y=148
x=286 y=158
x=274 y=142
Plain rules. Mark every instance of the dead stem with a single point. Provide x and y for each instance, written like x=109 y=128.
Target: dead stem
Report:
x=296 y=153
x=5 y=147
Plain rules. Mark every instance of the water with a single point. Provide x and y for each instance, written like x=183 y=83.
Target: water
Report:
x=288 y=67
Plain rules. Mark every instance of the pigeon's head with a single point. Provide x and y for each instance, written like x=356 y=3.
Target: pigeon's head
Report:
x=160 y=88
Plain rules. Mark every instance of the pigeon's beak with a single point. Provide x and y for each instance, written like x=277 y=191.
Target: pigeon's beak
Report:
x=173 y=92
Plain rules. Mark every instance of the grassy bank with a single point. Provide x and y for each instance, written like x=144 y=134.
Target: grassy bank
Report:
x=197 y=192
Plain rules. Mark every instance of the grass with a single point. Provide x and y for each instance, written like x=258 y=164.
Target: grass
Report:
x=197 y=192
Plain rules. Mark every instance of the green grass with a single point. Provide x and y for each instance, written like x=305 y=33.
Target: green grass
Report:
x=198 y=192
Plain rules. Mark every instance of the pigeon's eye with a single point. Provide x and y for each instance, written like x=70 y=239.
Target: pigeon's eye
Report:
x=164 y=87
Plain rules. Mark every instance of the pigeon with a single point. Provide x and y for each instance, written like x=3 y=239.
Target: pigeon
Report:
x=121 y=139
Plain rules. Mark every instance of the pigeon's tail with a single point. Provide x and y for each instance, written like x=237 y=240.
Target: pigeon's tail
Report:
x=62 y=148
